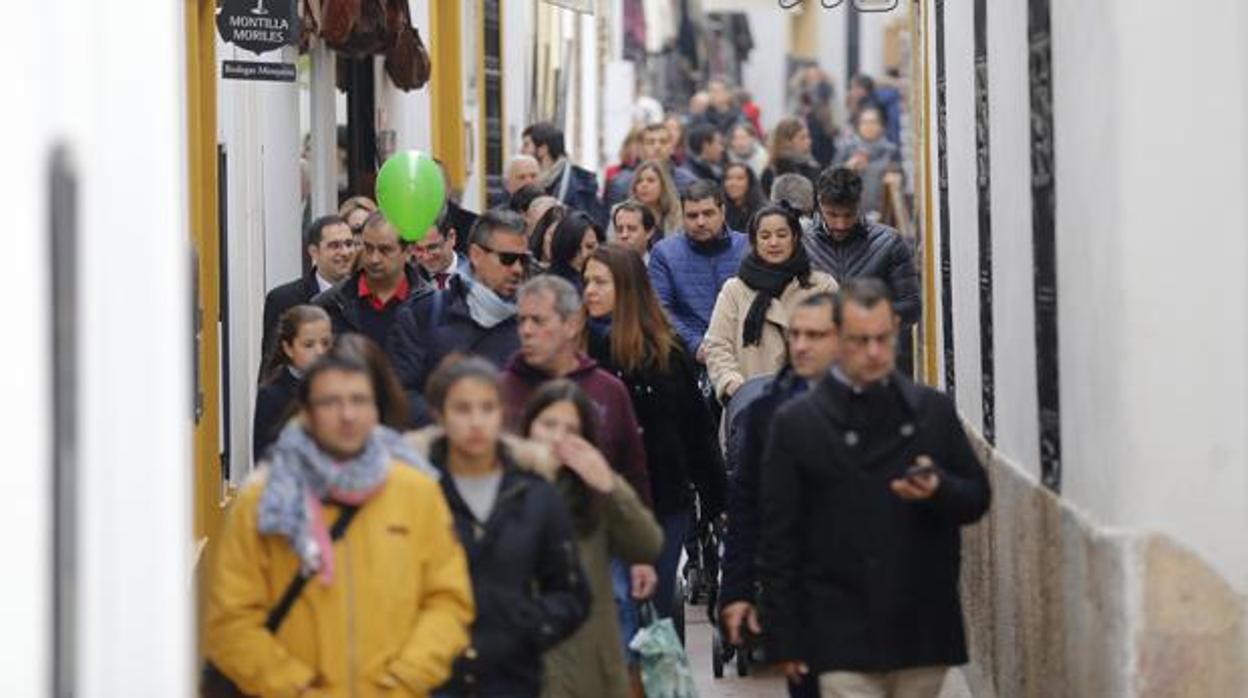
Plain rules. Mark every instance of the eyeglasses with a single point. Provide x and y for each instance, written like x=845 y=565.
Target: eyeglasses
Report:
x=508 y=259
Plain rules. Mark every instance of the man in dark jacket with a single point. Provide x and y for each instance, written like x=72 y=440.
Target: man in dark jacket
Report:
x=329 y=244
x=573 y=186
x=841 y=243
x=550 y=321
x=368 y=301
x=656 y=145
x=867 y=480
x=812 y=349
x=475 y=313
x=706 y=152
x=689 y=269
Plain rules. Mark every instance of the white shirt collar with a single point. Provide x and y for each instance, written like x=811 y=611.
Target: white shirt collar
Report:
x=322 y=283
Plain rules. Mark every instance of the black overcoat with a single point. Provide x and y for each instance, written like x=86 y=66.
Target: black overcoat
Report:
x=854 y=578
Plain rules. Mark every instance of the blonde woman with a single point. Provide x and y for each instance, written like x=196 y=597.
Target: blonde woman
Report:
x=654 y=189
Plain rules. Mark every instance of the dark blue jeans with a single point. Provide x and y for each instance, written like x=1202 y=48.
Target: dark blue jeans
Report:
x=675 y=526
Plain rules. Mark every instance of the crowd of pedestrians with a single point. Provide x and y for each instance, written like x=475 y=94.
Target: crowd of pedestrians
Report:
x=481 y=450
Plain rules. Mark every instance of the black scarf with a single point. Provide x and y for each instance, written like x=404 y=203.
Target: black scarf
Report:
x=769 y=281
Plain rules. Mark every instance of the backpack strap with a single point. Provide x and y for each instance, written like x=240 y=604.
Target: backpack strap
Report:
x=279 y=612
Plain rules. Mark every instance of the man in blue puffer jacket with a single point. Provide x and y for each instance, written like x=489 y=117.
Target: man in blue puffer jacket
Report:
x=688 y=269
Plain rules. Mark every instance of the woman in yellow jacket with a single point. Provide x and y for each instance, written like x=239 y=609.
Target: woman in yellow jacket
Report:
x=387 y=606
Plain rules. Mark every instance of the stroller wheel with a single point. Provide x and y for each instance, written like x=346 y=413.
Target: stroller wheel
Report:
x=678 y=609
x=717 y=656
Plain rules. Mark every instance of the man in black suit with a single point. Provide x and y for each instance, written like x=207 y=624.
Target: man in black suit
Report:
x=331 y=247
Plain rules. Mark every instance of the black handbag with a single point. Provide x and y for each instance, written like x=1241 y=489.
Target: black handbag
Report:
x=213 y=683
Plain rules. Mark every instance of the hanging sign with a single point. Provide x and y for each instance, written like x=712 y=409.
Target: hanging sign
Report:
x=258 y=26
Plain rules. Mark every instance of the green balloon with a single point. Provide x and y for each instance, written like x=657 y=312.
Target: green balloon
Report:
x=410 y=192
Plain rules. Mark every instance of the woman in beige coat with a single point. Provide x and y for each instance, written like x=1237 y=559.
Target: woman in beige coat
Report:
x=746 y=337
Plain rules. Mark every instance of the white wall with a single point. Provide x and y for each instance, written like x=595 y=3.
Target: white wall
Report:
x=127 y=134
x=25 y=594
x=764 y=74
x=258 y=124
x=834 y=48
x=871 y=35
x=1014 y=334
x=517 y=71
x=1153 y=301
x=963 y=206
x=1178 y=216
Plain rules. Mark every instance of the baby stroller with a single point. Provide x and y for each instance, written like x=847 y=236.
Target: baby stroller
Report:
x=702 y=548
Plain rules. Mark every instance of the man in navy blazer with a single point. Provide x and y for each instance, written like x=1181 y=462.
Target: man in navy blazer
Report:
x=331 y=247
x=435 y=255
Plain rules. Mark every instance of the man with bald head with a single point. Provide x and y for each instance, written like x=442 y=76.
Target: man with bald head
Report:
x=366 y=301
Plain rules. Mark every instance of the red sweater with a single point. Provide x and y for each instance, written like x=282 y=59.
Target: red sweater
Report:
x=618 y=431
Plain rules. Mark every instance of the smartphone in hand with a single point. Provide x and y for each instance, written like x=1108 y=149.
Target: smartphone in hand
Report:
x=917 y=472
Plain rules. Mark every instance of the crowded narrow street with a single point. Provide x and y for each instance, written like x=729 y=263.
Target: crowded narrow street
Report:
x=626 y=349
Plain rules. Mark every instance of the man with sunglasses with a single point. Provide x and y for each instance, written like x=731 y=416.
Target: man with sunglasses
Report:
x=331 y=247
x=474 y=314
x=368 y=301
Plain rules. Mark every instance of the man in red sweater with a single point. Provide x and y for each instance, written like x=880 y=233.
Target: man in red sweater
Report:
x=550 y=322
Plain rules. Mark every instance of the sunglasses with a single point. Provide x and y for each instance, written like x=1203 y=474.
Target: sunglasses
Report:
x=508 y=259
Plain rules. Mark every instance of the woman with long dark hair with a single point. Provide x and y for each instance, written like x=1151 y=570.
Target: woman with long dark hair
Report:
x=630 y=336
x=574 y=240
x=543 y=234
x=610 y=522
x=742 y=195
x=746 y=335
x=303 y=334
x=530 y=589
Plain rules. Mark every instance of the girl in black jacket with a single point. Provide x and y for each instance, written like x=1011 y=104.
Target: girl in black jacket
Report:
x=303 y=334
x=630 y=336
x=527 y=580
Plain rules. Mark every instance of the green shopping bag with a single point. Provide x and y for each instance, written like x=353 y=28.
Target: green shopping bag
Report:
x=665 y=671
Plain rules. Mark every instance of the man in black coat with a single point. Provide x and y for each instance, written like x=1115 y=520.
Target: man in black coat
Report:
x=573 y=186
x=706 y=152
x=812 y=348
x=867 y=480
x=846 y=246
x=331 y=247
x=367 y=302
x=475 y=314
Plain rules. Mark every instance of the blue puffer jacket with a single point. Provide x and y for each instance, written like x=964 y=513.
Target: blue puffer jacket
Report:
x=687 y=277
